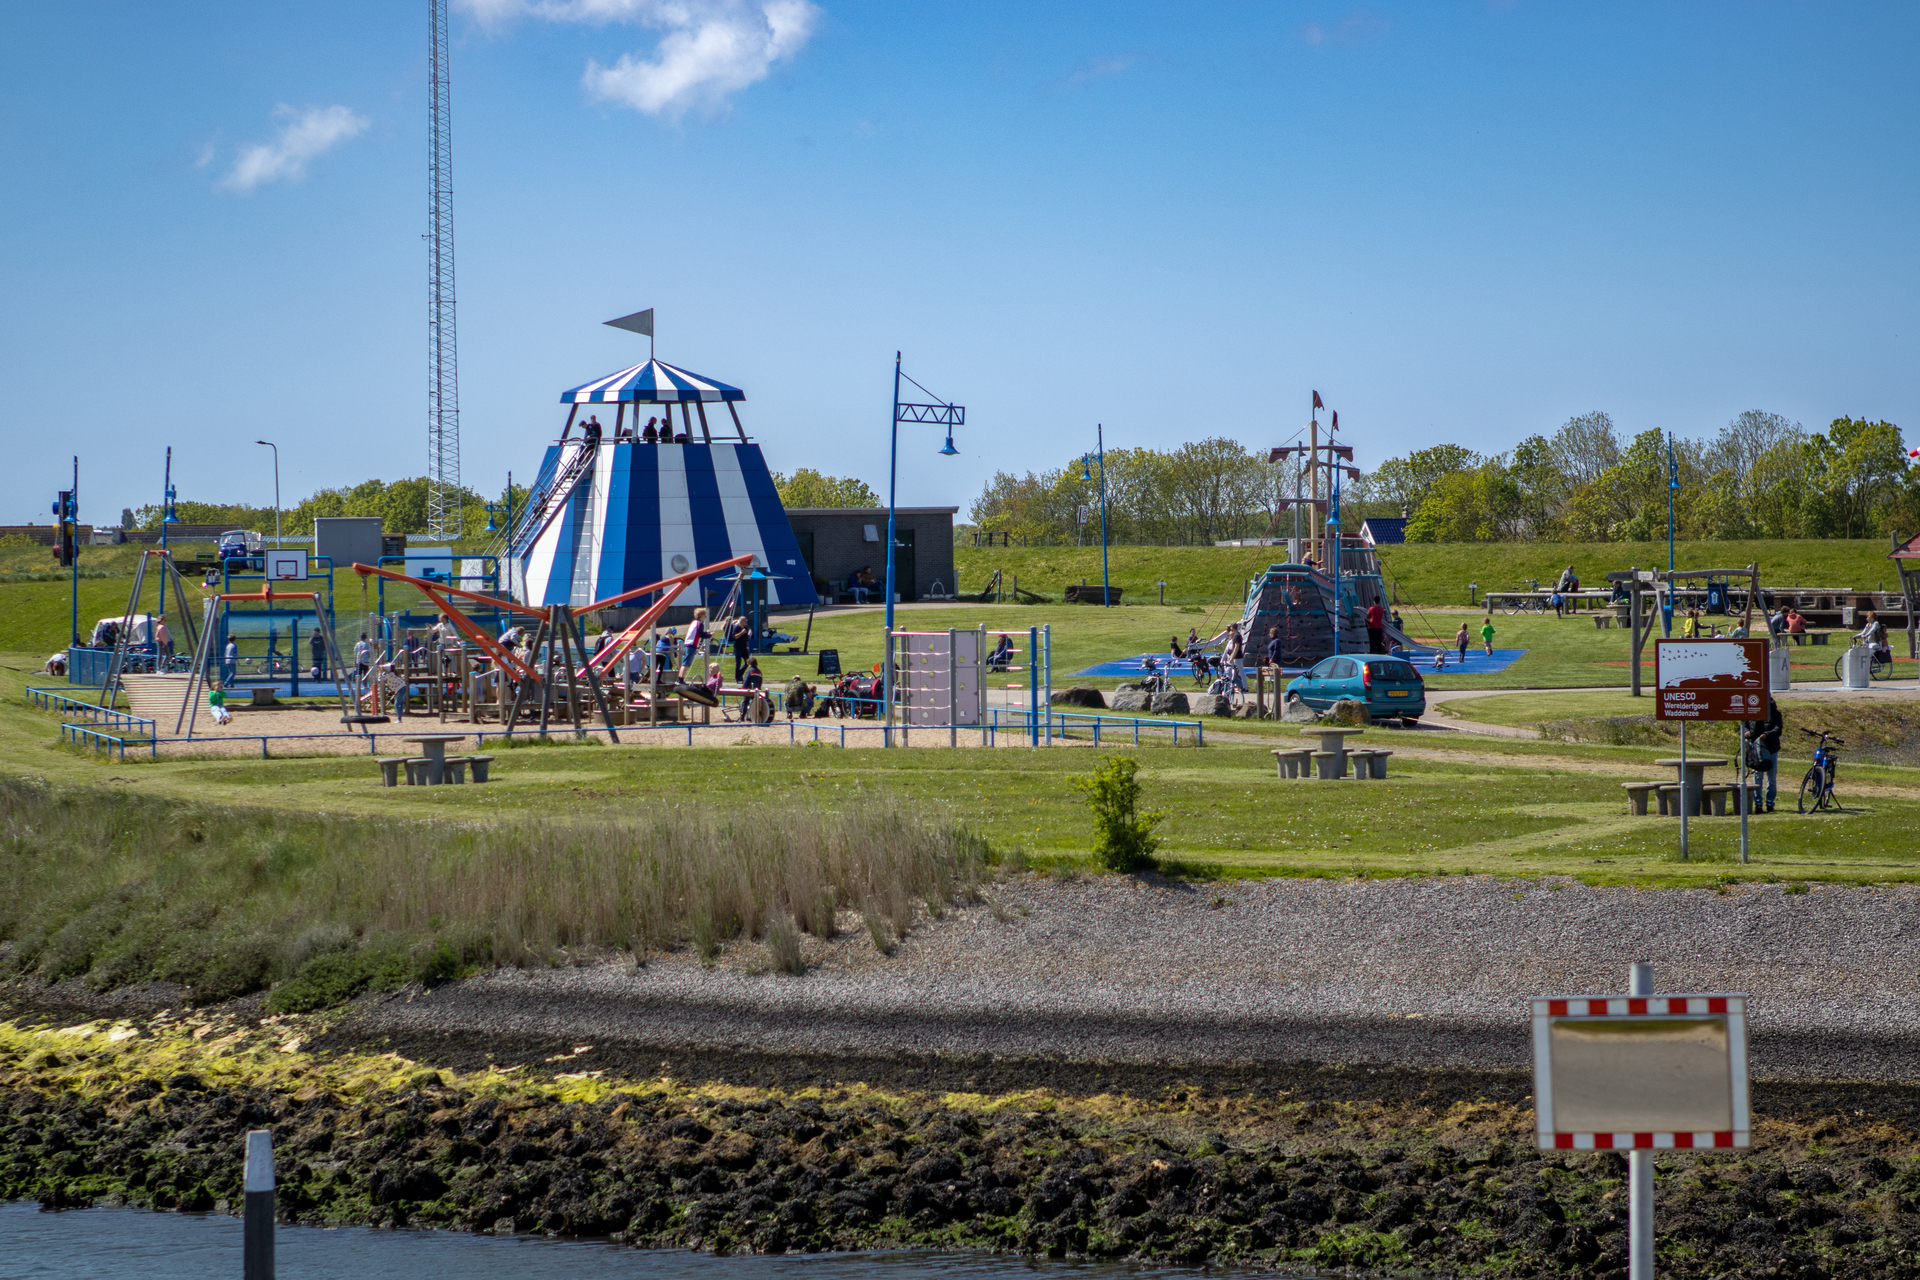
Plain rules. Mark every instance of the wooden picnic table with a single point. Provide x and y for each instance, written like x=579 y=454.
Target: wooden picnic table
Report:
x=434 y=747
x=1692 y=776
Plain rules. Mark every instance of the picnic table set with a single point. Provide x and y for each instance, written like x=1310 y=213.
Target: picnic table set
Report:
x=1331 y=761
x=433 y=767
x=1690 y=792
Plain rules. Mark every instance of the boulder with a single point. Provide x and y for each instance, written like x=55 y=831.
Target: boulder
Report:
x=1210 y=704
x=1128 y=686
x=1349 y=711
x=1170 y=704
x=1130 y=700
x=1247 y=711
x=1297 y=712
x=1081 y=695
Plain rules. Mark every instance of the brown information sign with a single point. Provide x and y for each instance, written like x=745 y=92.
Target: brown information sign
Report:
x=1710 y=679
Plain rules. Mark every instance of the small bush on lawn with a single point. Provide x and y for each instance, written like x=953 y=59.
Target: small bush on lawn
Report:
x=1123 y=836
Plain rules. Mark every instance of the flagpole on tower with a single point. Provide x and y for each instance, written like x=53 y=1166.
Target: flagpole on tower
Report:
x=638 y=322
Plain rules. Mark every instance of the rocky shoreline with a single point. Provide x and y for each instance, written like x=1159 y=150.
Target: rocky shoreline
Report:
x=1297 y=1169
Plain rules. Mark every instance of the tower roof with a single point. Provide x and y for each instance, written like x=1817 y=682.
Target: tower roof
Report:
x=654 y=382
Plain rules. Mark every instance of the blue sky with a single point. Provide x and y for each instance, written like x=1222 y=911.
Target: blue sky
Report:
x=1459 y=222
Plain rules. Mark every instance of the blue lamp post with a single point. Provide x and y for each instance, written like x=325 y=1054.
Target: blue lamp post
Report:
x=948 y=415
x=1100 y=456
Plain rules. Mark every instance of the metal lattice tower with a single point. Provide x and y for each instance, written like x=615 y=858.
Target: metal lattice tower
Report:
x=443 y=373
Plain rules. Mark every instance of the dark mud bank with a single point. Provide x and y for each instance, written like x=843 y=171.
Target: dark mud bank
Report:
x=1382 y=1172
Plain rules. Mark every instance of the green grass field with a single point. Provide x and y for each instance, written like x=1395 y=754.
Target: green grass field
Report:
x=1428 y=574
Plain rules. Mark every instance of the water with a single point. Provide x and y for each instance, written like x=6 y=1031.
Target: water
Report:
x=78 y=1244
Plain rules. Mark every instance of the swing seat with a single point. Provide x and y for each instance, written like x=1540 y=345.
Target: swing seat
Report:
x=365 y=719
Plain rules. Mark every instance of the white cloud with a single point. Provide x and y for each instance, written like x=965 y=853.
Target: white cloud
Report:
x=305 y=135
x=710 y=51
x=1099 y=67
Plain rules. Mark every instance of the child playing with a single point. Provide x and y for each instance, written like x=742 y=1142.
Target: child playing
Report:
x=1486 y=635
x=217 y=703
x=1462 y=639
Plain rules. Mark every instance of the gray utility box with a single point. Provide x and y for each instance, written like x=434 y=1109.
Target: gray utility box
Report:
x=347 y=540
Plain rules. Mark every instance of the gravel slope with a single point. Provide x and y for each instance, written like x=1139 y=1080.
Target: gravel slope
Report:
x=1417 y=972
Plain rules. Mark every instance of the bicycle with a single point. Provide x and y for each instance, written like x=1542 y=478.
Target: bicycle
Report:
x=1817 y=786
x=1879 y=666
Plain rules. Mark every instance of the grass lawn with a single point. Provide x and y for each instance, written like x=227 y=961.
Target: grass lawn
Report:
x=1425 y=573
x=1501 y=808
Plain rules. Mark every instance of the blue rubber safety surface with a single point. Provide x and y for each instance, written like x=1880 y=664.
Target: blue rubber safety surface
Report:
x=1477 y=663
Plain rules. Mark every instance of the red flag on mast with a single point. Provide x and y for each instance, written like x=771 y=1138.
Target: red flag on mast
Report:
x=1316 y=401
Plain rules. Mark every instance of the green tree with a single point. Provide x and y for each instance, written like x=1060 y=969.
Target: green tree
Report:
x=1854 y=471
x=1404 y=482
x=808 y=488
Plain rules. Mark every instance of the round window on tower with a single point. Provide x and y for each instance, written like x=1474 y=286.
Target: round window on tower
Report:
x=679 y=564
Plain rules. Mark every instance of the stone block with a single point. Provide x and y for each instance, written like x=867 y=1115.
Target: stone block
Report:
x=1170 y=704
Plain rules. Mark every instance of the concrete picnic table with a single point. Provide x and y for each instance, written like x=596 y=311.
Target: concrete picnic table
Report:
x=434 y=747
x=1333 y=742
x=1692 y=774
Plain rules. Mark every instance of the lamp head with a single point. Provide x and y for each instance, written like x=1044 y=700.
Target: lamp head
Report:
x=949 y=450
x=491 y=526
x=1086 y=468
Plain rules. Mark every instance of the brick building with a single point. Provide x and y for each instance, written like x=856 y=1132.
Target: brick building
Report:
x=838 y=542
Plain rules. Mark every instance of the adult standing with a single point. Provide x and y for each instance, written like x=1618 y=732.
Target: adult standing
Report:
x=1376 y=628
x=162 y=644
x=740 y=633
x=362 y=659
x=230 y=662
x=1764 y=737
x=317 y=645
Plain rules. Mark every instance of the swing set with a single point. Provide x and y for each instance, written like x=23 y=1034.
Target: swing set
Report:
x=557 y=662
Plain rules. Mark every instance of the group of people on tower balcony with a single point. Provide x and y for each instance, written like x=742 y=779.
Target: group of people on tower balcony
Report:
x=657 y=431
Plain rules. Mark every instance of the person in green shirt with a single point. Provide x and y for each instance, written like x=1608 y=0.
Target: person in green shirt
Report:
x=1486 y=634
x=217 y=702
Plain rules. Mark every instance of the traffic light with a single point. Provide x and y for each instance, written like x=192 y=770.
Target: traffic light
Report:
x=66 y=529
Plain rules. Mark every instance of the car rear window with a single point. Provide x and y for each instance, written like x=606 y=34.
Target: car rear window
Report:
x=1394 y=671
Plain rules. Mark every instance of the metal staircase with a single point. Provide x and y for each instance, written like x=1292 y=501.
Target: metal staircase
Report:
x=551 y=489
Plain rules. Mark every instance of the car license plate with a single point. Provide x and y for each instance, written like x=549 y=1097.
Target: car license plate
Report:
x=1398 y=693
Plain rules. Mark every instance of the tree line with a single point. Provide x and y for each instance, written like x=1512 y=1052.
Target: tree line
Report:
x=1761 y=476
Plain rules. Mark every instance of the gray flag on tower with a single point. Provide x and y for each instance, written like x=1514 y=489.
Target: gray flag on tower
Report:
x=638 y=322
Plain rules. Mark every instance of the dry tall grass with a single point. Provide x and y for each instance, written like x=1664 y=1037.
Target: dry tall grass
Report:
x=227 y=901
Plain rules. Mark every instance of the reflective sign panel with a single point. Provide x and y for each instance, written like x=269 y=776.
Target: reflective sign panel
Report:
x=1656 y=1071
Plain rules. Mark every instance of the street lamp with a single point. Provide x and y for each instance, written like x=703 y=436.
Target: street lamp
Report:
x=276 y=488
x=1100 y=456
x=948 y=415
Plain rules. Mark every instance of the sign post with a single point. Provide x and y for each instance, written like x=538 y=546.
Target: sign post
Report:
x=1640 y=1073
x=1710 y=680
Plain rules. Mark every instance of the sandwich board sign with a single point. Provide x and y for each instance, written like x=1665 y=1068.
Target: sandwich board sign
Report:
x=1710 y=679
x=286 y=566
x=1616 y=1073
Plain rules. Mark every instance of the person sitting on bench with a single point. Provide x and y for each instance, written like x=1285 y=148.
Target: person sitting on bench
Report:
x=1002 y=654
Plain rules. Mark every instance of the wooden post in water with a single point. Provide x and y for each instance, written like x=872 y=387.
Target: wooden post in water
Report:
x=257 y=1252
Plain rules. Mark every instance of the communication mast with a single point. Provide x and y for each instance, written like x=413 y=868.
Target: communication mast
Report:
x=443 y=374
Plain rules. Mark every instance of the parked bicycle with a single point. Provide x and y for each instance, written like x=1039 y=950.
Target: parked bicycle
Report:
x=1816 y=789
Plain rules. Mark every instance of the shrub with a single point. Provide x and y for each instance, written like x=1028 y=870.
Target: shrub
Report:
x=1123 y=836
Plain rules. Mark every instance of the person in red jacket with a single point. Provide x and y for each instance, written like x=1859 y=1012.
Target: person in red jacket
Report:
x=1376 y=629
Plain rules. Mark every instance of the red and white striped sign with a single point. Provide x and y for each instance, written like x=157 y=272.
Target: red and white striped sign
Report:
x=1624 y=1072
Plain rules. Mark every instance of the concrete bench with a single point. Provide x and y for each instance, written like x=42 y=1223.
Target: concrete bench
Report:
x=390 y=770
x=1716 y=797
x=1817 y=637
x=1602 y=621
x=264 y=698
x=480 y=766
x=1637 y=793
x=416 y=771
x=1669 y=799
x=1328 y=765
x=1376 y=761
x=1293 y=763
x=1360 y=756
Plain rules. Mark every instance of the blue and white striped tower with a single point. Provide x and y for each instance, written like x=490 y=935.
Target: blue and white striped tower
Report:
x=613 y=510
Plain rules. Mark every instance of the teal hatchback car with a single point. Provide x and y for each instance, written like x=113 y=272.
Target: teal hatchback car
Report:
x=1390 y=687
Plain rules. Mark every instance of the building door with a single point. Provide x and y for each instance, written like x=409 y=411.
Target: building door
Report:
x=806 y=551
x=903 y=575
